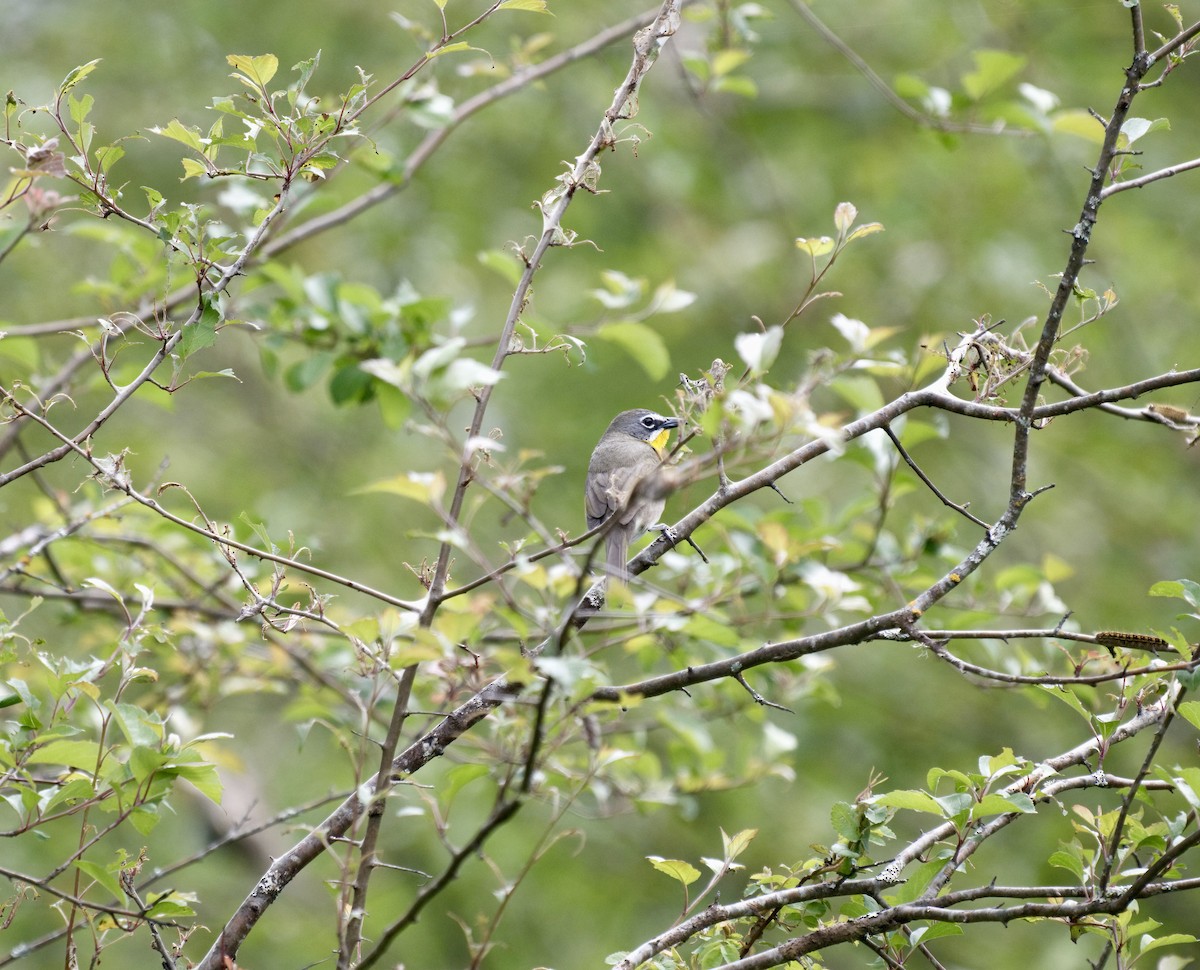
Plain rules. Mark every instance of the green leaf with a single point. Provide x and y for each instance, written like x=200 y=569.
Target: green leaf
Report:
x=996 y=804
x=532 y=6
x=1184 y=589
x=204 y=778
x=642 y=343
x=917 y=881
x=668 y=298
x=423 y=487
x=441 y=375
x=1079 y=123
x=394 y=405
x=923 y=934
x=992 y=70
x=1189 y=678
x=1066 y=860
x=1171 y=939
x=144 y=818
x=425 y=649
x=178 y=131
x=862 y=393
x=350 y=384
x=80 y=107
x=1135 y=128
x=23 y=351
x=305 y=372
x=676 y=869
x=1106 y=724
x=1068 y=697
x=457 y=778
x=737 y=84
x=958 y=779
x=815 y=247
x=77 y=75
x=202 y=375
x=200 y=334
x=259 y=70
x=1187 y=783
x=102 y=876
x=502 y=263
x=867 y=229
x=729 y=60
x=911 y=87
x=145 y=761
x=70 y=754
x=711 y=629
x=433 y=360
x=109 y=155
x=192 y=169
x=77 y=789
x=461 y=45
x=620 y=291
x=846 y=821
x=734 y=845
x=306 y=69
x=171 y=905
x=568 y=672
x=698 y=65
x=911 y=799
x=956 y=803
x=138 y=726
x=1190 y=710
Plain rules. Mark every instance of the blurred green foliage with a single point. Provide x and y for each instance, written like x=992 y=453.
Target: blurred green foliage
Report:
x=751 y=130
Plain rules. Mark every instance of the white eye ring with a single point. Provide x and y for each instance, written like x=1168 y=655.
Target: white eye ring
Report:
x=648 y=421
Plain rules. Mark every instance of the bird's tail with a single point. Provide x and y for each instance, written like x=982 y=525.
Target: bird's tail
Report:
x=616 y=553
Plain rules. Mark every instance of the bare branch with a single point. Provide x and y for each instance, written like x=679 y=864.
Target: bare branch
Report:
x=1143 y=180
x=960 y=509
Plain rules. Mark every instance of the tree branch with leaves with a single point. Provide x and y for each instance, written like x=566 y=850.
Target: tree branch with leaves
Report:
x=484 y=705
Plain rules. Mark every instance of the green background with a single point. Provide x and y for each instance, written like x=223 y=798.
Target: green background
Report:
x=713 y=200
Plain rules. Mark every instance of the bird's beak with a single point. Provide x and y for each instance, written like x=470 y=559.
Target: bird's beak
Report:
x=671 y=423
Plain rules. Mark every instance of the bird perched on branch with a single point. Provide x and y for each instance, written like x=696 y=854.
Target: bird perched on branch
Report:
x=630 y=451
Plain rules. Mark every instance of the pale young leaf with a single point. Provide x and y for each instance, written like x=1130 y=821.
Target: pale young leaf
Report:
x=676 y=869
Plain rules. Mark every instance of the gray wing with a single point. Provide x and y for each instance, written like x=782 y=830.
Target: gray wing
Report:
x=609 y=491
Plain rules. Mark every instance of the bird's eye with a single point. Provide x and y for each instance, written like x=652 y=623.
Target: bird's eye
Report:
x=648 y=421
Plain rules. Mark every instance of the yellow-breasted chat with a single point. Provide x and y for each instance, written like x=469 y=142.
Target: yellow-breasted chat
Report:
x=630 y=450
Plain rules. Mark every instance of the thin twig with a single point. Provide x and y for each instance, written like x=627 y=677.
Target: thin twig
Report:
x=1162 y=173
x=501 y=813
x=351 y=929
x=1119 y=832
x=164 y=952
x=960 y=509
x=758 y=698
x=885 y=89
